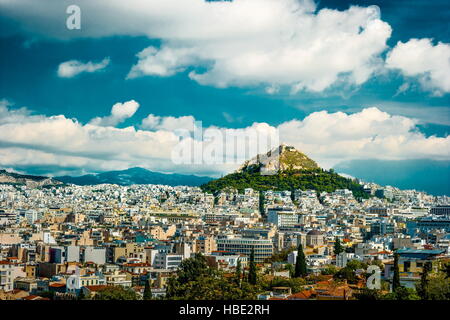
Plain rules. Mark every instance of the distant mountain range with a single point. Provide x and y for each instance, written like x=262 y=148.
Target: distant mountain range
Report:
x=283 y=168
x=136 y=176
x=123 y=177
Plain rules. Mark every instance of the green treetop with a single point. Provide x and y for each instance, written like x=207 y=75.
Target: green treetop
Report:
x=300 y=263
x=396 y=278
x=252 y=270
x=338 y=246
x=147 y=290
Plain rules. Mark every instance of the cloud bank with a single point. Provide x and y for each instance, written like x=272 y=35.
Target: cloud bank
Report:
x=245 y=43
x=240 y=43
x=62 y=144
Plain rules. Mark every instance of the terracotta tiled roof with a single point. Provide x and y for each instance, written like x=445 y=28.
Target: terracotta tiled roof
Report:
x=96 y=288
x=136 y=265
x=14 y=291
x=305 y=294
x=33 y=297
x=57 y=285
x=338 y=292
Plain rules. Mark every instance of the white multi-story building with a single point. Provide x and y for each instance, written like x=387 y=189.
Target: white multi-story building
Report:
x=163 y=260
x=6 y=276
x=96 y=255
x=282 y=218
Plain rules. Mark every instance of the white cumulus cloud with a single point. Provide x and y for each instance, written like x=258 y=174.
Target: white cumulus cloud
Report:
x=164 y=62
x=64 y=144
x=119 y=113
x=72 y=68
x=239 y=43
x=420 y=58
x=279 y=43
x=368 y=134
x=169 y=123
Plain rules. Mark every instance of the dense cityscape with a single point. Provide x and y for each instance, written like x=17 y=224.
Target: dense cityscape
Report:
x=140 y=241
x=224 y=158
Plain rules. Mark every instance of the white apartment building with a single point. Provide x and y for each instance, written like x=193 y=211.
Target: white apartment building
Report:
x=163 y=260
x=6 y=276
x=283 y=218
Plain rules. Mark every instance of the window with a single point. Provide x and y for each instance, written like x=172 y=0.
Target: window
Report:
x=406 y=266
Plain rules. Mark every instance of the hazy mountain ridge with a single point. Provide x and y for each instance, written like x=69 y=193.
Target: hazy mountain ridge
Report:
x=430 y=176
x=135 y=176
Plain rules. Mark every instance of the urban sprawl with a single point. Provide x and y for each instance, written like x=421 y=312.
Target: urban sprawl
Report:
x=76 y=242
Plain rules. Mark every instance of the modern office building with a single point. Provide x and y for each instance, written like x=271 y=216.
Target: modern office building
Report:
x=263 y=248
x=427 y=224
x=441 y=211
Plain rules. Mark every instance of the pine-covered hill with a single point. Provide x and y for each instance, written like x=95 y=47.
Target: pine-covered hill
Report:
x=316 y=179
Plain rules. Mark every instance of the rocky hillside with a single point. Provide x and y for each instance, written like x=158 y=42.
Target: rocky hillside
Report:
x=28 y=180
x=284 y=168
x=281 y=159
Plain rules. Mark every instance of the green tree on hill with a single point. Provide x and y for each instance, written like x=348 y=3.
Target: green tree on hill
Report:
x=346 y=273
x=147 y=291
x=116 y=293
x=402 y=293
x=280 y=256
x=300 y=263
x=238 y=272
x=438 y=287
x=421 y=287
x=252 y=277
x=316 y=179
x=195 y=280
x=338 y=246
x=261 y=203
x=396 y=278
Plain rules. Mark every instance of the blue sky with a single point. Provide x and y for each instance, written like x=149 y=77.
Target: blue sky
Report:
x=212 y=82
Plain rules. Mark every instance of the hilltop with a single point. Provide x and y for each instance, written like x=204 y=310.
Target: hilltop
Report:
x=284 y=168
x=28 y=180
x=283 y=158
